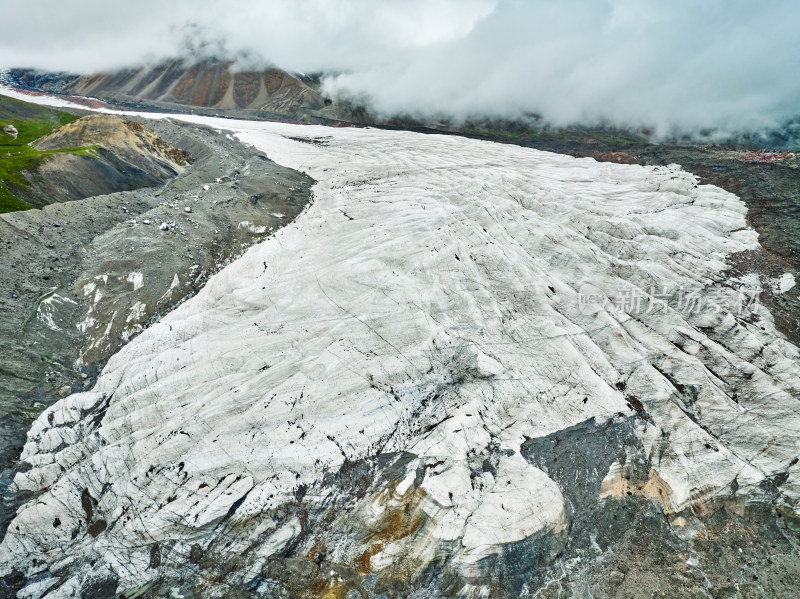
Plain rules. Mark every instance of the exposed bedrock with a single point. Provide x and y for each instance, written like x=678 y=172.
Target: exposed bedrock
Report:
x=207 y=86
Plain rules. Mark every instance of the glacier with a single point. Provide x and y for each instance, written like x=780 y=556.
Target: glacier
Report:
x=375 y=383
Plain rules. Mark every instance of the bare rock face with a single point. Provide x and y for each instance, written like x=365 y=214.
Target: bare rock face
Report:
x=124 y=136
x=10 y=130
x=205 y=84
x=120 y=155
x=127 y=142
x=422 y=385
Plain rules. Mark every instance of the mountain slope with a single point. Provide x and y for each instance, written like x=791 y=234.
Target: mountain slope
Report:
x=116 y=154
x=407 y=390
x=20 y=124
x=55 y=156
x=177 y=84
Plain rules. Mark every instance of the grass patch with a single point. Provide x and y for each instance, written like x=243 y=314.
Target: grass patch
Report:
x=32 y=122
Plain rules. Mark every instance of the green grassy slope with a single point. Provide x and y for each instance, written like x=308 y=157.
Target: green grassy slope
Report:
x=32 y=122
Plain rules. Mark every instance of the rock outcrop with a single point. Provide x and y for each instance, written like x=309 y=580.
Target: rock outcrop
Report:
x=10 y=130
x=120 y=155
x=206 y=84
x=423 y=384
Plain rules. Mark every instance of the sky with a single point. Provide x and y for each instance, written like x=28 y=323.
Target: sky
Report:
x=677 y=65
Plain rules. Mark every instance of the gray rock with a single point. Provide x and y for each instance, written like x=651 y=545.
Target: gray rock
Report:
x=10 y=130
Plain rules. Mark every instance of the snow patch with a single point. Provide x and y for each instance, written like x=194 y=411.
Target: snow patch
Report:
x=782 y=284
x=136 y=279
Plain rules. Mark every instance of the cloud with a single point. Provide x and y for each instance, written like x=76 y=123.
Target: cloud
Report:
x=681 y=65
x=91 y=35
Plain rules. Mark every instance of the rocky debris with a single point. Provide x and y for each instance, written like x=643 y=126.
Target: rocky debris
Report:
x=617 y=157
x=753 y=156
x=764 y=156
x=401 y=393
x=82 y=278
x=10 y=130
x=120 y=155
x=130 y=141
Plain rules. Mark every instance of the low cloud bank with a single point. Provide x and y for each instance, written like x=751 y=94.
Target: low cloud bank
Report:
x=713 y=66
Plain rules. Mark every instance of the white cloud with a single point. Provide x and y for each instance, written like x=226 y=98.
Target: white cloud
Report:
x=684 y=63
x=90 y=35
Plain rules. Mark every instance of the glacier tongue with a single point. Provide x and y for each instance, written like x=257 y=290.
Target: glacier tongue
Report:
x=423 y=316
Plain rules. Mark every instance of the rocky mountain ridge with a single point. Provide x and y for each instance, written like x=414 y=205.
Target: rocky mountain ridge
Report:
x=123 y=155
x=215 y=86
x=49 y=156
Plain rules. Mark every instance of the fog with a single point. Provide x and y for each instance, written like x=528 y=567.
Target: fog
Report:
x=681 y=66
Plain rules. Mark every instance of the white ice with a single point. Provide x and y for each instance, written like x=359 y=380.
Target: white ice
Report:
x=427 y=301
